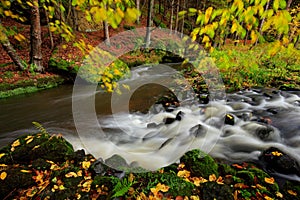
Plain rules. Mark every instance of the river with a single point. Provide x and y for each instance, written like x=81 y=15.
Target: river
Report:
x=135 y=128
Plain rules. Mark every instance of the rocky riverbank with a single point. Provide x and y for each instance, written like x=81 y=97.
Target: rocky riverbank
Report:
x=43 y=166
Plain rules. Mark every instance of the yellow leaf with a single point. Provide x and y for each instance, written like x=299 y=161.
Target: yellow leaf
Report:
x=205 y=39
x=3 y=175
x=6 y=3
x=278 y=194
x=25 y=171
x=16 y=143
x=86 y=164
x=269 y=180
x=30 y=140
x=29 y=3
x=61 y=187
x=212 y=177
x=291 y=192
x=208 y=14
x=162 y=187
x=35 y=147
x=276 y=153
x=268 y=198
x=71 y=174
x=184 y=173
x=2 y=154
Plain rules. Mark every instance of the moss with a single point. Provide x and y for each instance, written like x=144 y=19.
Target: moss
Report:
x=215 y=191
x=200 y=164
x=15 y=179
x=29 y=86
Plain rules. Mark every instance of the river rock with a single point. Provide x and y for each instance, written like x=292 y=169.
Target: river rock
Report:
x=275 y=160
x=215 y=191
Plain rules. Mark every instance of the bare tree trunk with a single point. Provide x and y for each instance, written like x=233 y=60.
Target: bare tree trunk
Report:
x=106 y=32
x=50 y=33
x=171 y=17
x=149 y=23
x=138 y=7
x=177 y=11
x=182 y=26
x=10 y=49
x=36 y=38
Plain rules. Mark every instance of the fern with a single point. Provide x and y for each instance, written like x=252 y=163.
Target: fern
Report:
x=122 y=187
x=40 y=127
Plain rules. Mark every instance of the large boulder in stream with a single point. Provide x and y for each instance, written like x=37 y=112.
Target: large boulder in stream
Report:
x=274 y=160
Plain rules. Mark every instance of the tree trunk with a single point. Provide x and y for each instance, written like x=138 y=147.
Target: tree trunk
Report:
x=35 y=38
x=10 y=49
x=50 y=33
x=182 y=26
x=149 y=23
x=106 y=32
x=177 y=11
x=289 y=4
x=171 y=17
x=262 y=22
x=138 y=7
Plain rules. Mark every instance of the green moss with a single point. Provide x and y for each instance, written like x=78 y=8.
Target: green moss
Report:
x=29 y=86
x=200 y=164
x=215 y=191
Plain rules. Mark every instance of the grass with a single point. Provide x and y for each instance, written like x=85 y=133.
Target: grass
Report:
x=261 y=66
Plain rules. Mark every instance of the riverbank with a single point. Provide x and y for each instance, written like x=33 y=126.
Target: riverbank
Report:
x=47 y=167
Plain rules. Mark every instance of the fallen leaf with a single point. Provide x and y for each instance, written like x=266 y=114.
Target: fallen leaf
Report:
x=268 y=198
x=71 y=174
x=291 y=192
x=276 y=153
x=3 y=175
x=86 y=164
x=2 y=154
x=237 y=166
x=278 y=194
x=28 y=141
x=25 y=171
x=241 y=186
x=212 y=177
x=269 y=180
x=16 y=143
x=184 y=174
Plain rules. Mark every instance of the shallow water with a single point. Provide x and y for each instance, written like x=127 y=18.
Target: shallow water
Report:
x=143 y=138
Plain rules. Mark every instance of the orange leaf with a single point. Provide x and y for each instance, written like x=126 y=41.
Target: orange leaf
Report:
x=3 y=175
x=212 y=177
x=237 y=166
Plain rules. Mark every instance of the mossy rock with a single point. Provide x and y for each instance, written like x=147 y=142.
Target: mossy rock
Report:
x=15 y=179
x=215 y=191
x=28 y=148
x=178 y=186
x=200 y=164
x=291 y=190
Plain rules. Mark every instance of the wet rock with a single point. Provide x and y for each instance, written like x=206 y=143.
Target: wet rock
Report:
x=215 y=191
x=275 y=160
x=199 y=163
x=198 y=130
x=178 y=117
x=229 y=119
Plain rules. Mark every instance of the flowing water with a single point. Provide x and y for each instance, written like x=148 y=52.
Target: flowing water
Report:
x=136 y=128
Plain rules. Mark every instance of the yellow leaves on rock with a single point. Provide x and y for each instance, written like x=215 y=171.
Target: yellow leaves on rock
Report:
x=2 y=154
x=160 y=188
x=184 y=174
x=29 y=139
x=3 y=175
x=15 y=144
x=86 y=164
x=276 y=153
x=270 y=180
